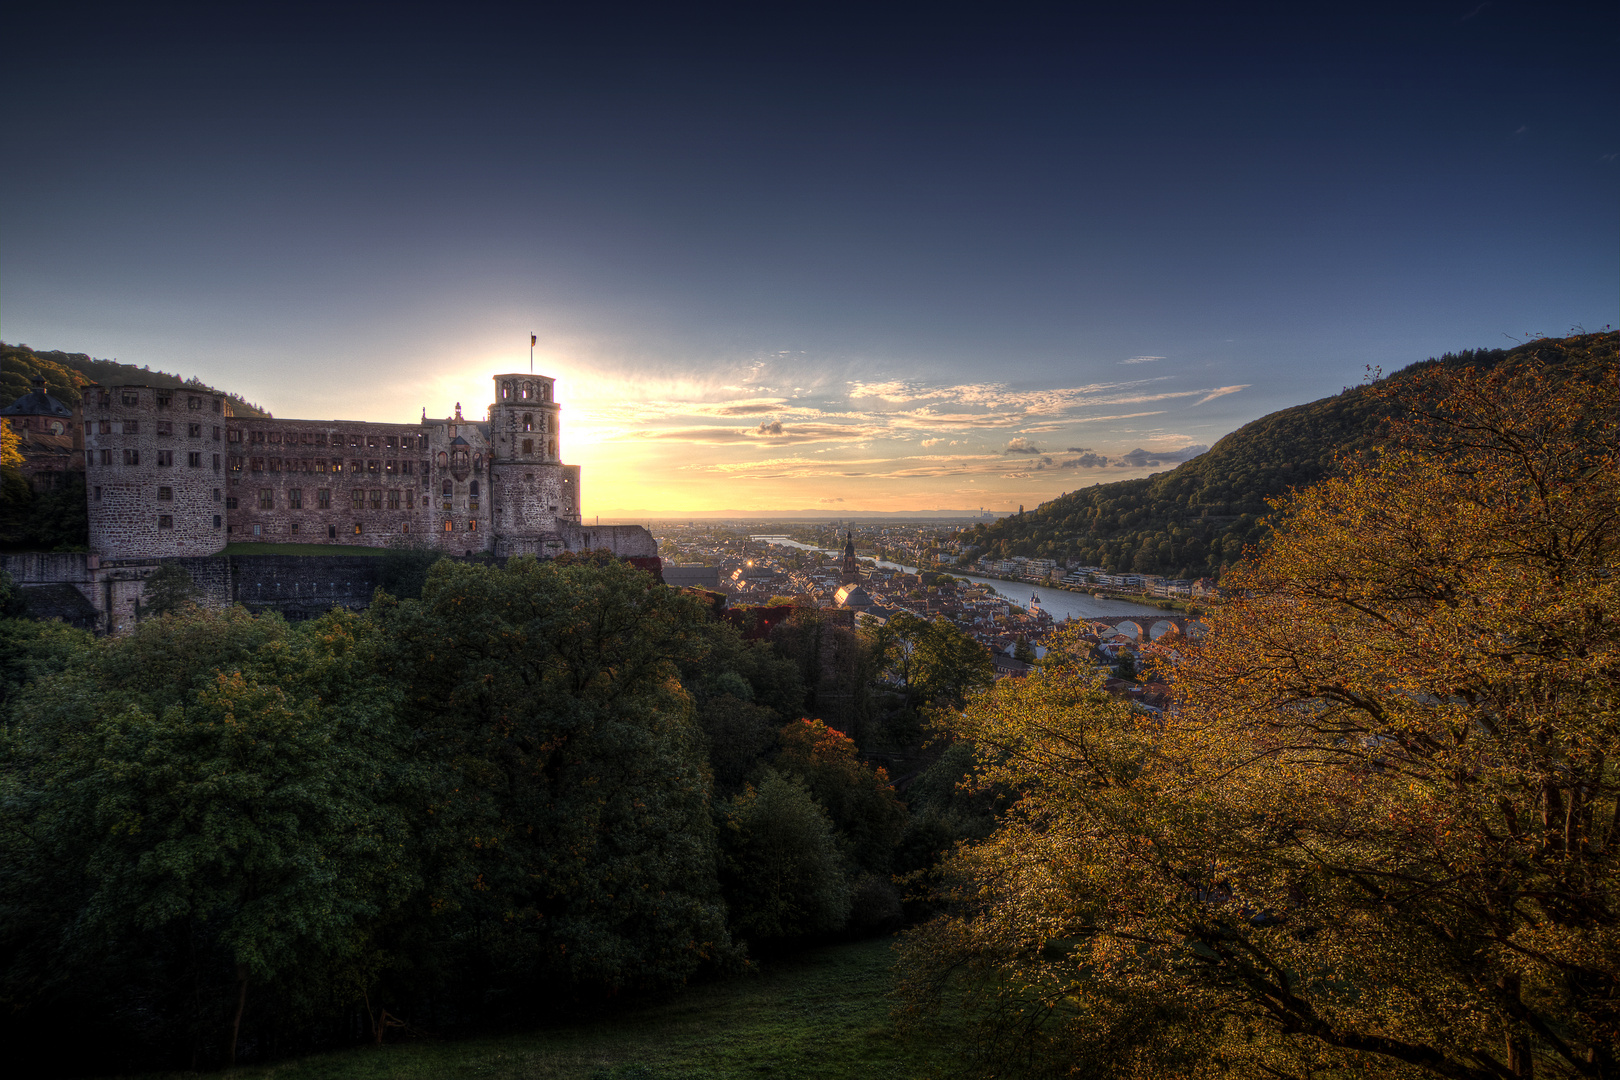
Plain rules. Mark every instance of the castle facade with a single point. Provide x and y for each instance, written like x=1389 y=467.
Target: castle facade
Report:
x=171 y=473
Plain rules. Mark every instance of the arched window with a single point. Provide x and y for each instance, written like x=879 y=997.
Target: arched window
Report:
x=528 y=421
x=528 y=446
x=506 y=390
x=472 y=524
x=447 y=489
x=473 y=489
x=449 y=526
x=528 y=391
x=444 y=459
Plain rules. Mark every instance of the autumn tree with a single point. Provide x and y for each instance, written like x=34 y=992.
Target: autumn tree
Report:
x=1379 y=832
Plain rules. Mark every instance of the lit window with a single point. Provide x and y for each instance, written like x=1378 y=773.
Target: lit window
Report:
x=449 y=526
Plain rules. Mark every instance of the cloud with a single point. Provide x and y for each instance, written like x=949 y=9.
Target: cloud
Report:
x=1142 y=360
x=1021 y=446
x=773 y=427
x=832 y=500
x=750 y=408
x=1078 y=450
x=1135 y=459
x=775 y=431
x=932 y=442
x=1221 y=391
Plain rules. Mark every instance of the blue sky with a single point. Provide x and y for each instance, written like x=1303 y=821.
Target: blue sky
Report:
x=792 y=258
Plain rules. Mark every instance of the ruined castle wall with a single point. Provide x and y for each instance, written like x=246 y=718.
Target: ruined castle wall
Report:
x=154 y=471
x=304 y=587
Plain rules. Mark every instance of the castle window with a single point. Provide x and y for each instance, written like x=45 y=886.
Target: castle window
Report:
x=164 y=400
x=194 y=403
x=410 y=499
x=267 y=498
x=392 y=443
x=354 y=440
x=165 y=457
x=357 y=499
x=131 y=398
x=165 y=427
x=472 y=506
x=448 y=489
x=105 y=427
x=371 y=442
x=106 y=457
x=194 y=431
x=320 y=464
x=376 y=500
x=357 y=528
x=132 y=427
x=294 y=527
x=216 y=521
x=295 y=498
x=236 y=463
x=194 y=459
x=230 y=502
x=553 y=448
x=106 y=400
x=258 y=530
x=216 y=404
x=527 y=391
x=528 y=422
x=258 y=437
x=275 y=464
x=235 y=435
x=444 y=460
x=390 y=468
x=393 y=498
x=331 y=532
x=132 y=457
x=307 y=438
x=98 y=493
x=528 y=446
x=216 y=494
x=318 y=438
x=406 y=527
x=472 y=524
x=373 y=467
x=472 y=489
x=354 y=467
x=165 y=521
x=405 y=468
x=506 y=390
x=323 y=499
x=166 y=494
x=449 y=526
x=275 y=436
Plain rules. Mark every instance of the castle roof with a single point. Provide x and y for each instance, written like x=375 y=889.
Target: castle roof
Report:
x=36 y=403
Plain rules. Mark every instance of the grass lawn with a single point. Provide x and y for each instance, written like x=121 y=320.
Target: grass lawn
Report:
x=820 y=1015
x=301 y=549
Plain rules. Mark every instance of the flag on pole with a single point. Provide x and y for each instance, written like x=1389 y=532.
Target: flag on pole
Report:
x=532 y=340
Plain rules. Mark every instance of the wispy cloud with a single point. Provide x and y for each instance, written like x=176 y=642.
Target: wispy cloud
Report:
x=1142 y=360
x=1222 y=391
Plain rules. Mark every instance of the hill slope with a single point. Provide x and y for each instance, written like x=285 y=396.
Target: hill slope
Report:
x=1200 y=516
x=66 y=372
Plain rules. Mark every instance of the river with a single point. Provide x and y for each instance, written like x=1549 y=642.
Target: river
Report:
x=1059 y=603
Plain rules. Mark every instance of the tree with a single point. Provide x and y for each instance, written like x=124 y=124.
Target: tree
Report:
x=169 y=588
x=572 y=843
x=869 y=816
x=184 y=841
x=784 y=875
x=932 y=662
x=1380 y=831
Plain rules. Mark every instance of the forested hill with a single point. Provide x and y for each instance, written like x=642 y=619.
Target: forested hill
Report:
x=65 y=372
x=1200 y=516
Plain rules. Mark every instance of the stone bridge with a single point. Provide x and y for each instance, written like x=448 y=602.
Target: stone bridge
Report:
x=1149 y=628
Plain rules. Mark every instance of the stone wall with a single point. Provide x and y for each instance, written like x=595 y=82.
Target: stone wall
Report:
x=154 y=471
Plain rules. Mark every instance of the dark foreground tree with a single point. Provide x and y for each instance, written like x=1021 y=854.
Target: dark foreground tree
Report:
x=1380 y=833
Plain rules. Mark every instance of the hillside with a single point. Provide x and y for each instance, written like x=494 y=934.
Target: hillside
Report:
x=1200 y=516
x=66 y=372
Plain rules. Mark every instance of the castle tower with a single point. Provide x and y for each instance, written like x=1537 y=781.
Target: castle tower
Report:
x=153 y=470
x=534 y=493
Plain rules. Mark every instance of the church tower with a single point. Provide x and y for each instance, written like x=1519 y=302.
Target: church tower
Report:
x=534 y=492
x=852 y=569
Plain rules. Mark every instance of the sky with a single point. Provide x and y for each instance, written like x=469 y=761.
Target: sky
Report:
x=811 y=258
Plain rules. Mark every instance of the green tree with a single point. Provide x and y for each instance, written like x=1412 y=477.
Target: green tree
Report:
x=241 y=828
x=868 y=814
x=572 y=841
x=1380 y=832
x=784 y=875
x=168 y=589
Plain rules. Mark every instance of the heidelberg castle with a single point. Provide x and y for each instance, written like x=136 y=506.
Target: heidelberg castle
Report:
x=171 y=473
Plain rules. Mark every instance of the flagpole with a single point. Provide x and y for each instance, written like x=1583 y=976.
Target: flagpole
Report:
x=531 y=354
